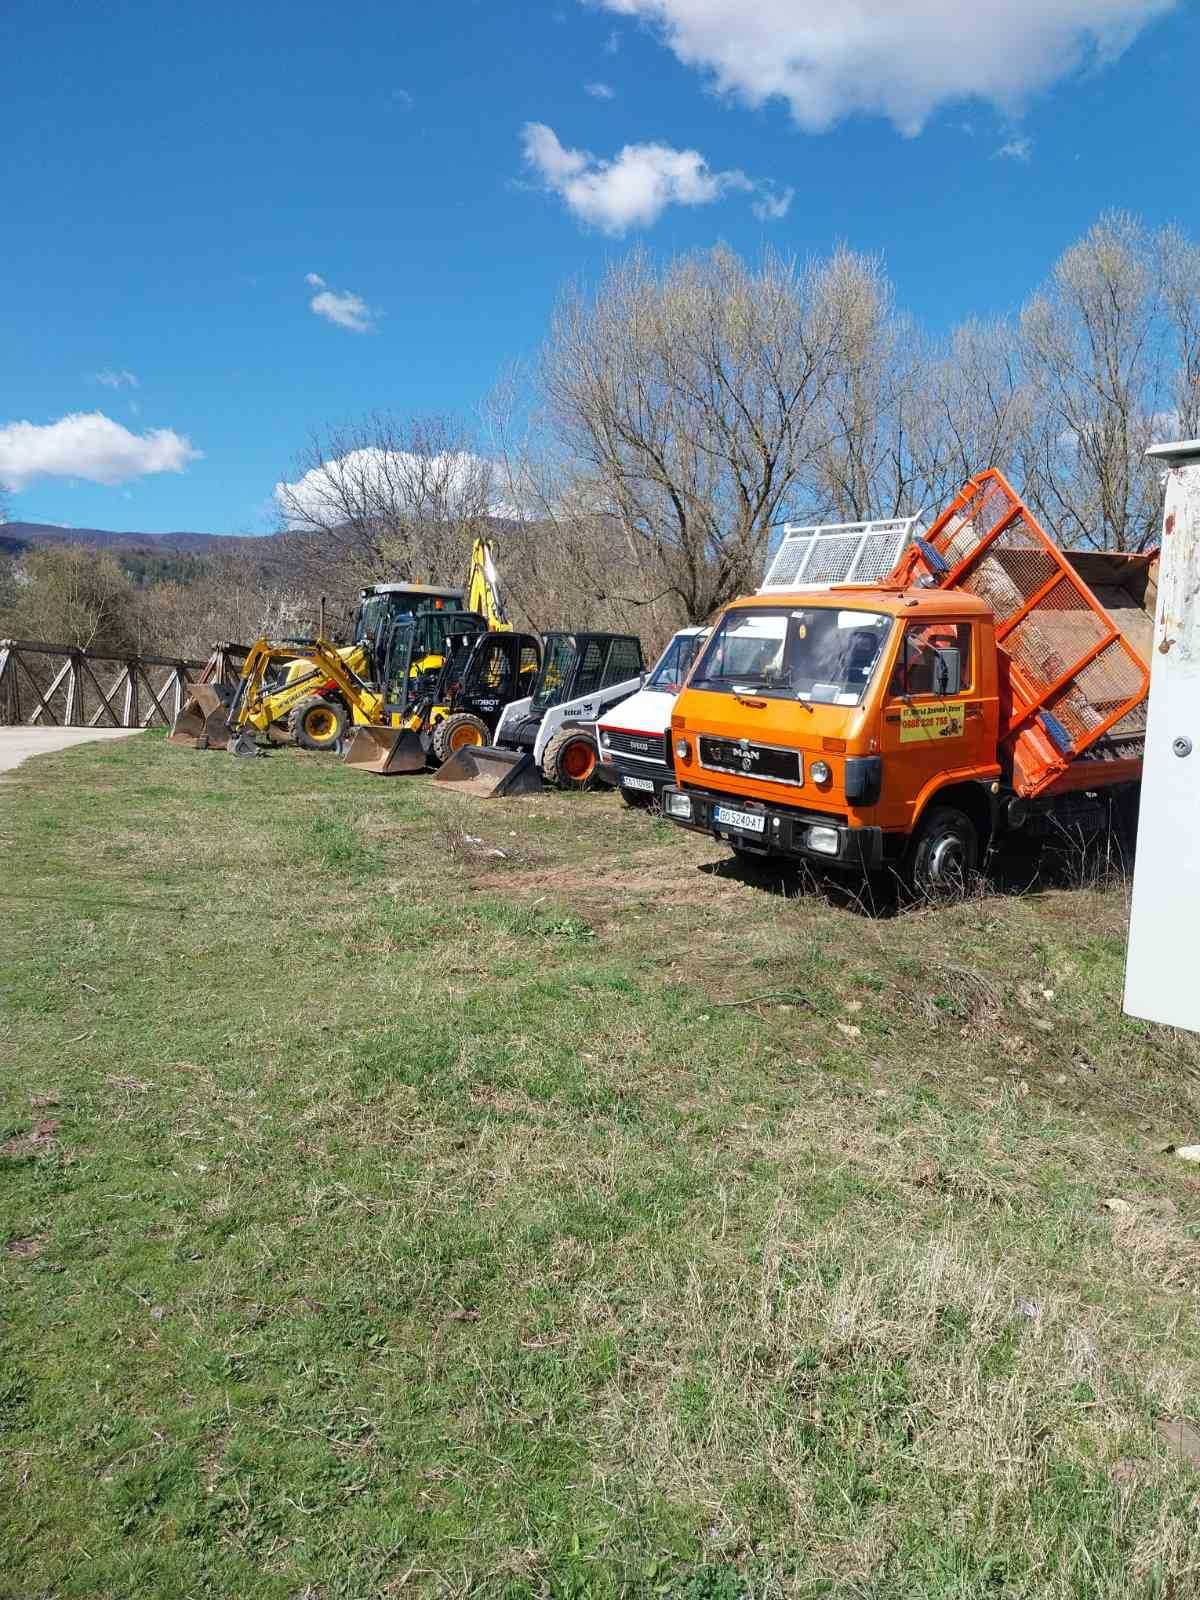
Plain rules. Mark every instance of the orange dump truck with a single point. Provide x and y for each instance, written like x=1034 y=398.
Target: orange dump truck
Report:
x=992 y=683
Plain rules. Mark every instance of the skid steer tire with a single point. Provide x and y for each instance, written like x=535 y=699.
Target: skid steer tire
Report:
x=456 y=733
x=318 y=724
x=570 y=760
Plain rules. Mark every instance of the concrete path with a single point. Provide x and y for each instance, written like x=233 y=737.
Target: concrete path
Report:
x=18 y=743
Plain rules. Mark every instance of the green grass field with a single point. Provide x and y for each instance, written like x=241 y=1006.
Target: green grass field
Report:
x=403 y=1195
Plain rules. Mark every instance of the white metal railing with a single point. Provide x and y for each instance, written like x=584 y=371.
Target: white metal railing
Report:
x=817 y=555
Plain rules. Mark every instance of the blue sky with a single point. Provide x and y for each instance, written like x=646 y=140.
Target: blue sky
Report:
x=175 y=173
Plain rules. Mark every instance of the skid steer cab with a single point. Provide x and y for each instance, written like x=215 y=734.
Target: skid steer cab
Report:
x=434 y=713
x=550 y=734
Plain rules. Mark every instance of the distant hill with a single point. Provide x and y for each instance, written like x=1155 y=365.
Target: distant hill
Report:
x=18 y=536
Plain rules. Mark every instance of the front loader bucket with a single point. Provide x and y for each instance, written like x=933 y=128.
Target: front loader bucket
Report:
x=387 y=751
x=200 y=724
x=490 y=773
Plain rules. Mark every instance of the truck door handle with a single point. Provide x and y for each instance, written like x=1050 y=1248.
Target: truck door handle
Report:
x=891 y=716
x=974 y=711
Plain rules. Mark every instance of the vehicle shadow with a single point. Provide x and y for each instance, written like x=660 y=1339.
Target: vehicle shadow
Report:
x=1015 y=868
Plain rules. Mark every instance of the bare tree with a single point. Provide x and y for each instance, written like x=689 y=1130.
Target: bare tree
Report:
x=386 y=499
x=1179 y=266
x=1097 y=354
x=683 y=403
x=74 y=595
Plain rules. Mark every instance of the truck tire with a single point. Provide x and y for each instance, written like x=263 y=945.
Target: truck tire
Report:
x=317 y=723
x=456 y=733
x=570 y=759
x=943 y=853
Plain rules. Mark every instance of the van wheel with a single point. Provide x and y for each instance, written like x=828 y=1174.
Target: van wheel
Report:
x=943 y=854
x=317 y=723
x=569 y=761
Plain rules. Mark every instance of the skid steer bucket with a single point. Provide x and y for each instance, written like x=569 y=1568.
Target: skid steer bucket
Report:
x=386 y=751
x=490 y=772
x=200 y=724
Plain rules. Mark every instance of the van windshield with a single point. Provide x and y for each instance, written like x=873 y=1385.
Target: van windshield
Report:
x=817 y=653
x=675 y=662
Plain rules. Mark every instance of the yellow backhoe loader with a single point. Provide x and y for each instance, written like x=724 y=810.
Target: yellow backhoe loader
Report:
x=315 y=708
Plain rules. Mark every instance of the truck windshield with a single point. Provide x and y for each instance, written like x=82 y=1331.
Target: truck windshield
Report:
x=817 y=653
x=675 y=663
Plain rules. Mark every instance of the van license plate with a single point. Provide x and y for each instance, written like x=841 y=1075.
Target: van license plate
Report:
x=747 y=821
x=638 y=783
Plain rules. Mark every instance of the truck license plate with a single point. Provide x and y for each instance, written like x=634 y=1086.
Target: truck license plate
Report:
x=747 y=821
x=638 y=783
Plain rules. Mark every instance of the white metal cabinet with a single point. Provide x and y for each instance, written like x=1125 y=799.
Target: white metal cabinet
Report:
x=1162 y=976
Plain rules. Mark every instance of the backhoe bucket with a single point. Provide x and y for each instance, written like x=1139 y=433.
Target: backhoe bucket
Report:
x=490 y=773
x=200 y=724
x=386 y=751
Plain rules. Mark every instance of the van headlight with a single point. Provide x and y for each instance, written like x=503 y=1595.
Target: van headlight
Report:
x=678 y=805
x=823 y=840
x=605 y=738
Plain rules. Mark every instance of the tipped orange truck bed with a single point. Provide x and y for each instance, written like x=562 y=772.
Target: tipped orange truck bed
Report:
x=1073 y=636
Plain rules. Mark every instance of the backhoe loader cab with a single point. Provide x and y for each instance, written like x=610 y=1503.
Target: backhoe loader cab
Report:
x=551 y=733
x=381 y=605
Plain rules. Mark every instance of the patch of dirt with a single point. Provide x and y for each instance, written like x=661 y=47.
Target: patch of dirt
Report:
x=26 y=1249
x=658 y=874
x=39 y=1137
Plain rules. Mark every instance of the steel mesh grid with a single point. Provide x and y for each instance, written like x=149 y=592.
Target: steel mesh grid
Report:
x=1048 y=642
x=789 y=558
x=876 y=558
x=988 y=580
x=831 y=560
x=1112 y=678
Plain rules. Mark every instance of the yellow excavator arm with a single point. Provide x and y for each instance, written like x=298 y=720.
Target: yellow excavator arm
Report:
x=258 y=704
x=483 y=587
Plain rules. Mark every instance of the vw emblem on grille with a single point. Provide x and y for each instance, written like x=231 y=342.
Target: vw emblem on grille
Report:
x=745 y=763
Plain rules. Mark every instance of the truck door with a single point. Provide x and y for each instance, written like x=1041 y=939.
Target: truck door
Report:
x=934 y=724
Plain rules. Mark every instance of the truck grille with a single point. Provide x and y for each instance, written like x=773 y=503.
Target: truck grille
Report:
x=649 y=746
x=751 y=760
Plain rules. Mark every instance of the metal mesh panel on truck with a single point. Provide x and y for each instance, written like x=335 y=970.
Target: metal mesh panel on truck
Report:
x=844 y=552
x=1072 y=675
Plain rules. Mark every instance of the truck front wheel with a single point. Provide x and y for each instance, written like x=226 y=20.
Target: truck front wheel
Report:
x=943 y=853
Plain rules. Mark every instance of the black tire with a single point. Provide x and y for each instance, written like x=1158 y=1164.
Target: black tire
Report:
x=455 y=734
x=317 y=723
x=570 y=760
x=943 y=854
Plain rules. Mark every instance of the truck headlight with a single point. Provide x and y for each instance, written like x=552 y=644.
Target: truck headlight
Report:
x=679 y=805
x=683 y=750
x=823 y=840
x=819 y=772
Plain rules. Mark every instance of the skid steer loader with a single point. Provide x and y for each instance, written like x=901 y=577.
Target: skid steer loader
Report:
x=434 y=715
x=551 y=736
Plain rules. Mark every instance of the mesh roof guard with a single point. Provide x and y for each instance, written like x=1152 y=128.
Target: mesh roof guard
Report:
x=820 y=555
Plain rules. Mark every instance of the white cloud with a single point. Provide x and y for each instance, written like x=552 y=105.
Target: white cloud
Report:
x=111 y=379
x=339 y=306
x=600 y=91
x=638 y=184
x=901 y=59
x=320 y=495
x=773 y=205
x=1015 y=150
x=88 y=445
x=612 y=44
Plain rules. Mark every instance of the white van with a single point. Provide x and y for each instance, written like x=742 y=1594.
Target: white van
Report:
x=634 y=736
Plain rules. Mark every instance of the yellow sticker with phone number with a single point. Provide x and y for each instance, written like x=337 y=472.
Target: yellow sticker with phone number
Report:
x=941 y=720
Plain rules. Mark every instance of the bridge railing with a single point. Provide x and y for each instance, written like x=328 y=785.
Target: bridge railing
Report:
x=58 y=685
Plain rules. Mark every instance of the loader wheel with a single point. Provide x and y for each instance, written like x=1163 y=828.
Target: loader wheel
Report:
x=943 y=854
x=569 y=761
x=318 y=724
x=456 y=733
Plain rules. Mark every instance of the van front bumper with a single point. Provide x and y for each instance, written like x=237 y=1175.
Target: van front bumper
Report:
x=793 y=835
